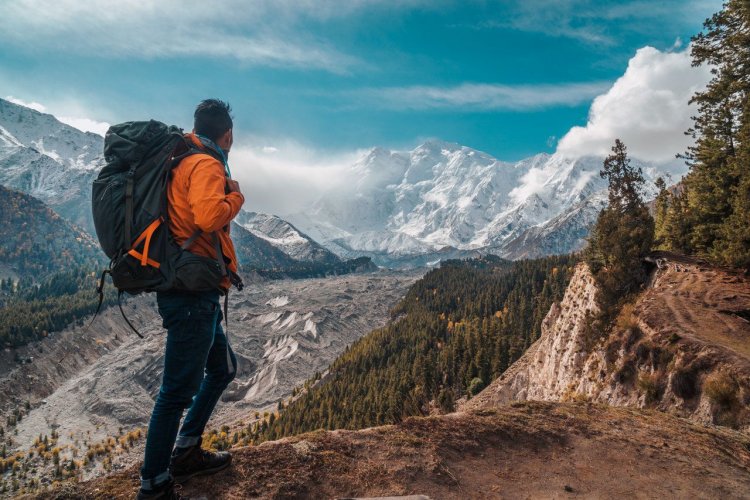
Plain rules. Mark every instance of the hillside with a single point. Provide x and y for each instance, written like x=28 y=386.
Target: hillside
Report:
x=48 y=268
x=49 y=160
x=682 y=347
x=284 y=236
x=36 y=242
x=626 y=413
x=458 y=327
x=527 y=450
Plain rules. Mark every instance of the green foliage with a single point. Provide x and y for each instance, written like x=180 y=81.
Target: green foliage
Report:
x=661 y=209
x=36 y=242
x=308 y=269
x=621 y=238
x=716 y=208
x=35 y=311
x=457 y=327
x=475 y=386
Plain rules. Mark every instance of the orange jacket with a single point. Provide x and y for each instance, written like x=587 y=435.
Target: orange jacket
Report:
x=198 y=200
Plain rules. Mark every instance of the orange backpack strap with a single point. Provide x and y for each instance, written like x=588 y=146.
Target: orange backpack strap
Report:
x=145 y=237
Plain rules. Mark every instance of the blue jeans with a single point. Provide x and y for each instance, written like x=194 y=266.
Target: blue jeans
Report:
x=198 y=366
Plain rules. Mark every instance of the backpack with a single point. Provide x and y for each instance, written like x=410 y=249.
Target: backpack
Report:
x=129 y=205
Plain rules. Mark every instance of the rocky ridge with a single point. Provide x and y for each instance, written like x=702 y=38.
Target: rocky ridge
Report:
x=441 y=196
x=284 y=236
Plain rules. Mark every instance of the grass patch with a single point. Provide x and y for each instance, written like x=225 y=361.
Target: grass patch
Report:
x=651 y=385
x=685 y=382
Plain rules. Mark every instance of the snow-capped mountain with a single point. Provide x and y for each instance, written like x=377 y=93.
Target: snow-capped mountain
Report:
x=440 y=200
x=440 y=195
x=285 y=237
x=49 y=160
x=56 y=164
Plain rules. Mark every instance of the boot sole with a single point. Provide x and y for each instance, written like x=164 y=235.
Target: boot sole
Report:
x=205 y=472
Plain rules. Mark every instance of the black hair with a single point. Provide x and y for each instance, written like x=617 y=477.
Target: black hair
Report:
x=212 y=118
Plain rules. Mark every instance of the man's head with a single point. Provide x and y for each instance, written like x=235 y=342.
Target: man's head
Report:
x=213 y=120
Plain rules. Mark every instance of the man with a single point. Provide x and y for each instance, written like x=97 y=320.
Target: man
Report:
x=198 y=362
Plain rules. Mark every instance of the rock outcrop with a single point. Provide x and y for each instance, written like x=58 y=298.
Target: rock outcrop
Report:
x=683 y=347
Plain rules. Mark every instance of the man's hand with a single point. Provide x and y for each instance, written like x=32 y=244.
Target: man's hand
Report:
x=234 y=186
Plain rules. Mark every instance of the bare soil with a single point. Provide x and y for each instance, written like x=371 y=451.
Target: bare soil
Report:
x=703 y=304
x=526 y=450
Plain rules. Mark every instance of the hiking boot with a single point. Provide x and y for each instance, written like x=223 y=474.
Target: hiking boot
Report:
x=195 y=461
x=167 y=491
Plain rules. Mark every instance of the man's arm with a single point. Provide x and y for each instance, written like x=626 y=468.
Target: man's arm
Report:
x=212 y=208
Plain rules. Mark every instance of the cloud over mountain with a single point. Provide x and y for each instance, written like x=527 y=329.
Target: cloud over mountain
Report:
x=647 y=108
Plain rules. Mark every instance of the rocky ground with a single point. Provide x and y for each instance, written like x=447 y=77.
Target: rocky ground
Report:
x=88 y=386
x=527 y=450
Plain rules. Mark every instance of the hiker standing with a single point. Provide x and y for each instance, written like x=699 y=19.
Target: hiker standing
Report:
x=199 y=362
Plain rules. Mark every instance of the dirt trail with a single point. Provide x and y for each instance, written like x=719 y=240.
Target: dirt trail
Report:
x=527 y=450
x=704 y=304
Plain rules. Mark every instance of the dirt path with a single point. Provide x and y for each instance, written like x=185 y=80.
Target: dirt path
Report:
x=528 y=450
x=707 y=305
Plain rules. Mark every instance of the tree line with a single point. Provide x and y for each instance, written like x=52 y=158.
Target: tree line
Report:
x=708 y=214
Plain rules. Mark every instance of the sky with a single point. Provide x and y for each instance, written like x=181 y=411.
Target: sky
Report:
x=314 y=82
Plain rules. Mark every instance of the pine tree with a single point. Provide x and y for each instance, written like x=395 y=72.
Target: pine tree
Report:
x=622 y=236
x=661 y=211
x=717 y=184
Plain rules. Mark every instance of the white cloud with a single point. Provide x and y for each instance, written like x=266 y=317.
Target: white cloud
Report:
x=85 y=124
x=597 y=23
x=288 y=176
x=647 y=108
x=70 y=113
x=255 y=32
x=32 y=105
x=476 y=96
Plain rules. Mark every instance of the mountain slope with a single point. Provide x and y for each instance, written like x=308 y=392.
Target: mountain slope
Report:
x=528 y=450
x=405 y=203
x=683 y=347
x=257 y=254
x=54 y=162
x=36 y=242
x=458 y=327
x=285 y=237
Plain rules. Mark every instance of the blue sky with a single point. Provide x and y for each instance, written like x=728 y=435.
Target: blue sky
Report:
x=509 y=77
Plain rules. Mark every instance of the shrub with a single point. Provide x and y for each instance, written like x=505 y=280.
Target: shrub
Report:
x=651 y=386
x=722 y=390
x=626 y=373
x=626 y=319
x=611 y=351
x=685 y=381
x=447 y=400
x=475 y=386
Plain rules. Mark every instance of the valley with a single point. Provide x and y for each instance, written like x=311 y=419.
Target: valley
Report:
x=88 y=385
x=604 y=416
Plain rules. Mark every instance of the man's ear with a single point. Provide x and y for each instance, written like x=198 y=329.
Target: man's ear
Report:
x=226 y=140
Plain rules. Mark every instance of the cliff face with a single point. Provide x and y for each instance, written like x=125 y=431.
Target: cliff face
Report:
x=683 y=347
